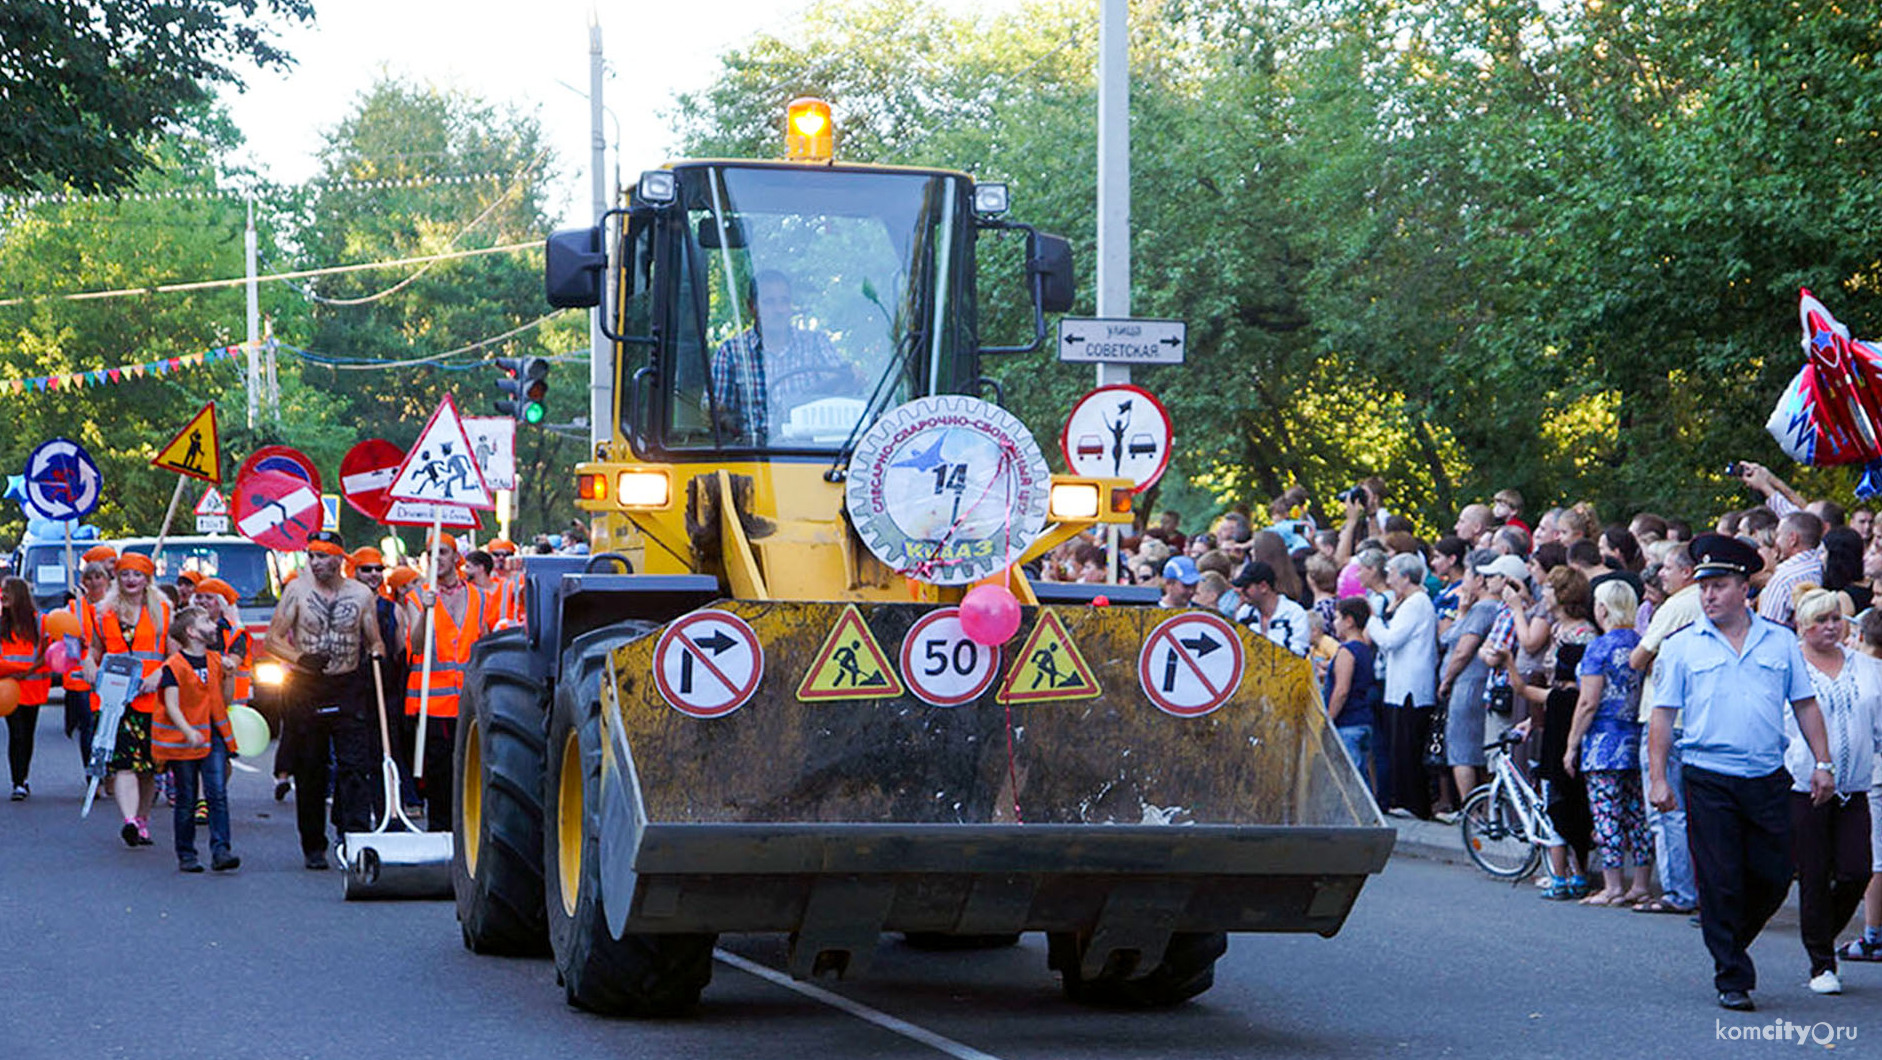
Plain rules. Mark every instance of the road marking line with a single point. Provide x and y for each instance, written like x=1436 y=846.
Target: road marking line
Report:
x=855 y=1008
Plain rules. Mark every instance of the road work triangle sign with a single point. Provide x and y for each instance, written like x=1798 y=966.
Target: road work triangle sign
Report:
x=441 y=466
x=1049 y=667
x=850 y=665
x=195 y=451
x=212 y=503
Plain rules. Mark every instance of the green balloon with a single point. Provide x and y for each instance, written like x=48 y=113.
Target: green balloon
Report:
x=251 y=731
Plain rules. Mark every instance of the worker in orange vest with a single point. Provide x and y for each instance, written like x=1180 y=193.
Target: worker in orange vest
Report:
x=81 y=707
x=456 y=609
x=133 y=619
x=23 y=659
x=510 y=572
x=191 y=736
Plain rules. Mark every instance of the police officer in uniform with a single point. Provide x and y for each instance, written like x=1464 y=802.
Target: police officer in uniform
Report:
x=1733 y=674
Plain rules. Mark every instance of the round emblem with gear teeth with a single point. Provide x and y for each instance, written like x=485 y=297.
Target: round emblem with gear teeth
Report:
x=948 y=489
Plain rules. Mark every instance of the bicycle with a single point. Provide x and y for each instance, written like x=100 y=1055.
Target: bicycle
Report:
x=1505 y=823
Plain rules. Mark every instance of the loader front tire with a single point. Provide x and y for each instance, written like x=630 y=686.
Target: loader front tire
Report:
x=1188 y=969
x=636 y=975
x=496 y=867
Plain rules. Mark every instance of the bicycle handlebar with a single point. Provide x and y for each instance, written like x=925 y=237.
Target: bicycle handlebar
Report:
x=1508 y=739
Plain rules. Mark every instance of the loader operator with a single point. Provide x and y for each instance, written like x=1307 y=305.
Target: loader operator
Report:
x=320 y=628
x=773 y=365
x=458 y=609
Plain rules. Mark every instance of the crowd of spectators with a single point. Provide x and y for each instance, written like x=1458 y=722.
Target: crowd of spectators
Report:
x=1427 y=651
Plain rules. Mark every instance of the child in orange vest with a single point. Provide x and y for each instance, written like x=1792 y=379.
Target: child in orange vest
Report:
x=191 y=736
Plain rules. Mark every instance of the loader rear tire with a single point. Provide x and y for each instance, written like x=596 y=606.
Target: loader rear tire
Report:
x=1188 y=969
x=636 y=975
x=496 y=867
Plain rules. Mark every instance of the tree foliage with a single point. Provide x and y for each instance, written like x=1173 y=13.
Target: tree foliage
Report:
x=1549 y=246
x=88 y=89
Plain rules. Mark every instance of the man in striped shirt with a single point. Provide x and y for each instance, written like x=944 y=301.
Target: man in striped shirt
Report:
x=1800 y=561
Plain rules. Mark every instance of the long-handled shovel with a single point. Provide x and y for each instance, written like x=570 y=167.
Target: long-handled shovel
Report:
x=394 y=864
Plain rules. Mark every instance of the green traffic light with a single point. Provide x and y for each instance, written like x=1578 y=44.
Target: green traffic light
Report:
x=532 y=412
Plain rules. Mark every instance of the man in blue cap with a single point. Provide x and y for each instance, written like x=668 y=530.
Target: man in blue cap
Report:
x=1179 y=582
x=1733 y=673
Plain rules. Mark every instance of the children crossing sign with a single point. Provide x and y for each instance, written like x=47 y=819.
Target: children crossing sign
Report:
x=441 y=466
x=850 y=665
x=195 y=451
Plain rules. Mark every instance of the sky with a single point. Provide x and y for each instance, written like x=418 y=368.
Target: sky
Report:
x=506 y=52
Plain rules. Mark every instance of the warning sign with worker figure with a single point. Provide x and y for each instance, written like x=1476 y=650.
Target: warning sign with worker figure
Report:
x=195 y=450
x=948 y=489
x=1048 y=667
x=850 y=665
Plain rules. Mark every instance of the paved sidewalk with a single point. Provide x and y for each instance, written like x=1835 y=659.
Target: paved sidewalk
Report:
x=1433 y=841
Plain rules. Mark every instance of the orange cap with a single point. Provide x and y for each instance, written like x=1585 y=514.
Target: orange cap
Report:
x=193 y=577
x=444 y=539
x=137 y=561
x=364 y=556
x=99 y=552
x=325 y=548
x=217 y=587
x=400 y=577
x=501 y=544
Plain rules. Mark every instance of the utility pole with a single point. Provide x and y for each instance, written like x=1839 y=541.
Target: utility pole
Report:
x=253 y=346
x=1114 y=172
x=1114 y=194
x=600 y=354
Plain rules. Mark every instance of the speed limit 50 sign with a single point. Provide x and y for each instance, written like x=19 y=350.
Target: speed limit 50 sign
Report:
x=942 y=665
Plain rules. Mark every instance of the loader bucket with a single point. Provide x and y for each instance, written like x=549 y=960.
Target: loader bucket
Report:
x=1123 y=773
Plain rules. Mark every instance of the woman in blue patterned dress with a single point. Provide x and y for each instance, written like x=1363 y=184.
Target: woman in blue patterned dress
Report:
x=1604 y=747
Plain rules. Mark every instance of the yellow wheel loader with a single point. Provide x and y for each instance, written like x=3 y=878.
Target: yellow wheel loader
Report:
x=769 y=702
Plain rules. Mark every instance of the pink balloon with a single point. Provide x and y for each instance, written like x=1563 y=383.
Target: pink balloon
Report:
x=989 y=614
x=57 y=659
x=1349 y=584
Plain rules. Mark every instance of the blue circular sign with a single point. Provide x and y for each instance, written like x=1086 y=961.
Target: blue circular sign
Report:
x=62 y=480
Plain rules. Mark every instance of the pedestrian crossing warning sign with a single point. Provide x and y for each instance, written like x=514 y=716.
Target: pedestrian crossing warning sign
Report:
x=195 y=450
x=1048 y=668
x=850 y=665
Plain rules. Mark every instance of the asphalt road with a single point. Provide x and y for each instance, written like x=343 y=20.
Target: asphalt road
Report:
x=109 y=952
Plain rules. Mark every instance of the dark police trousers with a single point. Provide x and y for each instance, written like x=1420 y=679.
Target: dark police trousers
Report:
x=1739 y=830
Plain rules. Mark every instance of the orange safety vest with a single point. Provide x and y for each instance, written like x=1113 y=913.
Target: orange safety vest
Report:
x=145 y=644
x=202 y=705
x=244 y=670
x=16 y=657
x=453 y=649
x=87 y=628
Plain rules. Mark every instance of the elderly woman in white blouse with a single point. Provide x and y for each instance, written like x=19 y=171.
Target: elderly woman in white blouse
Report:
x=1831 y=843
x=1407 y=639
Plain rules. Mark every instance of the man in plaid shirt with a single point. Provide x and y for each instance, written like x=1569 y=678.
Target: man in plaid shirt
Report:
x=1799 y=544
x=773 y=361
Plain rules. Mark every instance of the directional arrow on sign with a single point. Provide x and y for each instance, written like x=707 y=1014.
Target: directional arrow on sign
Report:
x=717 y=643
x=1202 y=644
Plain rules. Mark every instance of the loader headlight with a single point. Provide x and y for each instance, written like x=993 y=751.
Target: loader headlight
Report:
x=1074 y=500
x=641 y=489
x=271 y=674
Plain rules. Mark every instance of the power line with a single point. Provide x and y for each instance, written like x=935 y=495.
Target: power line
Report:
x=203 y=285
x=341 y=364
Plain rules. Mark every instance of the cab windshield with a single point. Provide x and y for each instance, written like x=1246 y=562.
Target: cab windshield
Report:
x=806 y=300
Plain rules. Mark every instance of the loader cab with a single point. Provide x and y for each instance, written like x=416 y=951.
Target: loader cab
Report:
x=771 y=310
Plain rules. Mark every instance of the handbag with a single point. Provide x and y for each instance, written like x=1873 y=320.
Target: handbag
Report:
x=1502 y=700
x=1434 y=743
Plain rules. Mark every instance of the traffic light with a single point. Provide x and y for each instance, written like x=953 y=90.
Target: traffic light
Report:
x=526 y=386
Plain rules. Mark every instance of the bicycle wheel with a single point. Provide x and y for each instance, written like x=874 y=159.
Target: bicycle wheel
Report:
x=1495 y=838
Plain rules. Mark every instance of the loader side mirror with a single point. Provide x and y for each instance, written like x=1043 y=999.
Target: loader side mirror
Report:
x=1050 y=263
x=573 y=264
x=716 y=236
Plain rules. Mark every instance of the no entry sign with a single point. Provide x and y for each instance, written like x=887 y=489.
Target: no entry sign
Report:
x=365 y=472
